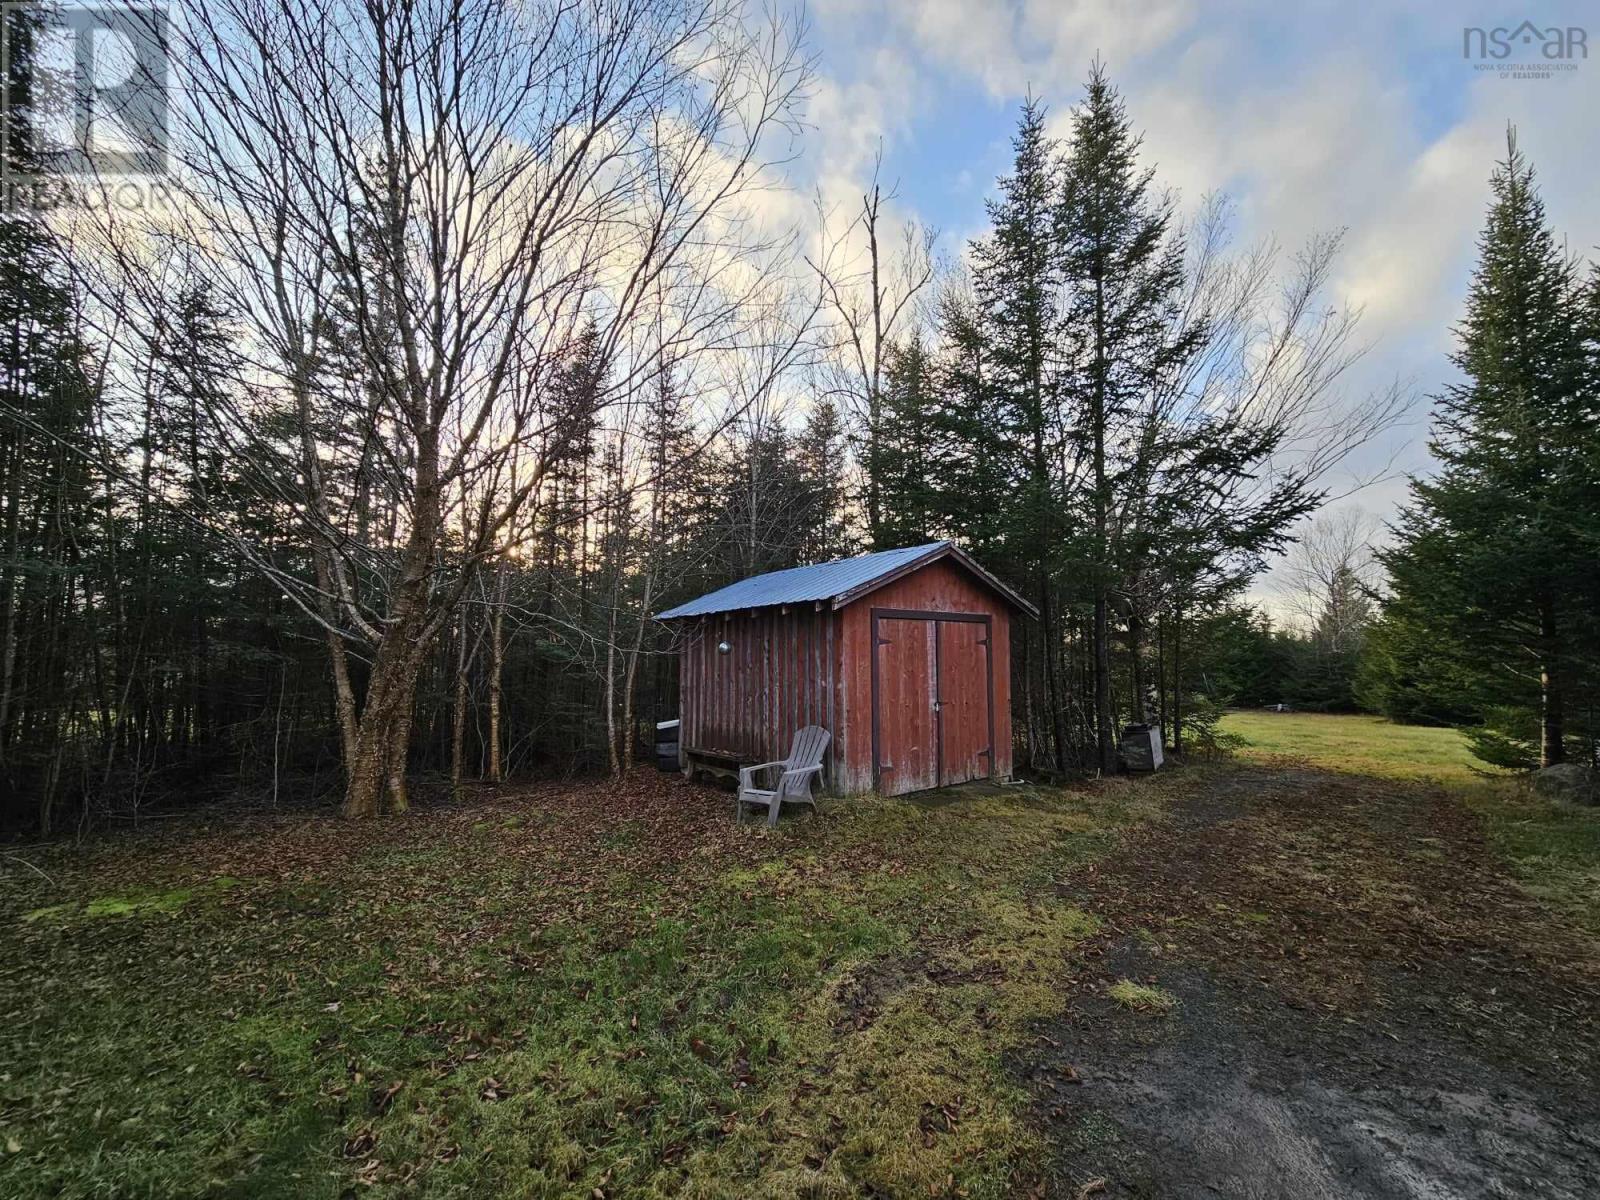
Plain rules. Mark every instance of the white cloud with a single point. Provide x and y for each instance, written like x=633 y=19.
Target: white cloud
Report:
x=979 y=39
x=1322 y=117
x=1073 y=32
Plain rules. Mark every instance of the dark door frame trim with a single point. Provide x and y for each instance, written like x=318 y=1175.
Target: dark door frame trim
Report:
x=913 y=614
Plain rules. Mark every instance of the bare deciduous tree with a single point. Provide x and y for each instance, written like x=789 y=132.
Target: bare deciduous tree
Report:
x=1330 y=577
x=1227 y=452
x=871 y=290
x=417 y=214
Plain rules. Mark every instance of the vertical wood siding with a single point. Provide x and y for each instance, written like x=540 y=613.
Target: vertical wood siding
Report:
x=777 y=677
x=907 y=733
x=941 y=586
x=787 y=669
x=965 y=681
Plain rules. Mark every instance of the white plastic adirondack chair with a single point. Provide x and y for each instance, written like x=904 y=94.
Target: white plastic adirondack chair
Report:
x=794 y=780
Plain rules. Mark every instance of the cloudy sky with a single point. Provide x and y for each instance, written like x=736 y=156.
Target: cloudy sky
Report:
x=1311 y=116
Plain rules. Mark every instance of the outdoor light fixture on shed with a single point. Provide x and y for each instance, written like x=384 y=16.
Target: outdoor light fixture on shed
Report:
x=724 y=648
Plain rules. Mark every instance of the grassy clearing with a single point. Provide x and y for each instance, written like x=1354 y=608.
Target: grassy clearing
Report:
x=546 y=996
x=1553 y=849
x=1359 y=745
x=589 y=991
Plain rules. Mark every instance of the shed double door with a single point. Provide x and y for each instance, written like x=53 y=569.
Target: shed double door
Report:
x=932 y=699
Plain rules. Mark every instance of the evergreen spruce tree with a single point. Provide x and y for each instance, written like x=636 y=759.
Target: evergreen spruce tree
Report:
x=821 y=450
x=1122 y=269
x=1016 y=279
x=1496 y=553
x=908 y=452
x=975 y=480
x=52 y=535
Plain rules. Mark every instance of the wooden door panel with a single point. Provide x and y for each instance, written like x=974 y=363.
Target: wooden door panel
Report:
x=907 y=740
x=963 y=693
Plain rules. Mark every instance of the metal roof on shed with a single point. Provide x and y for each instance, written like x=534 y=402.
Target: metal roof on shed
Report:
x=839 y=582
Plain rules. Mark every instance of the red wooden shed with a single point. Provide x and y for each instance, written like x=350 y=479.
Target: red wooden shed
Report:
x=903 y=656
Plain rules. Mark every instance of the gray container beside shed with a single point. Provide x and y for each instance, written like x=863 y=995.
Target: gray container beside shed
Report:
x=1141 y=747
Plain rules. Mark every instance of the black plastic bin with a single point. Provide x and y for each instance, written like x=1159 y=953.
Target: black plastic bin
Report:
x=667 y=745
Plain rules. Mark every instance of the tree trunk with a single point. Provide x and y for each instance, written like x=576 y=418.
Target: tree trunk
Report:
x=1552 y=732
x=1177 y=681
x=384 y=732
x=368 y=766
x=874 y=394
x=1030 y=694
x=383 y=735
x=458 y=722
x=1051 y=637
x=1161 y=677
x=344 y=698
x=399 y=735
x=200 y=653
x=497 y=662
x=1141 y=705
x=8 y=591
x=1105 y=735
x=611 y=692
x=631 y=674
x=386 y=717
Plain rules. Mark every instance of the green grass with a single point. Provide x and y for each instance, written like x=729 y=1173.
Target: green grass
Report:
x=1142 y=997
x=457 y=1005
x=139 y=904
x=1553 y=849
x=1359 y=744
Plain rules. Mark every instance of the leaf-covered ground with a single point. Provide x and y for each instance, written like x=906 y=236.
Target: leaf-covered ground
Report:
x=592 y=990
x=1224 y=977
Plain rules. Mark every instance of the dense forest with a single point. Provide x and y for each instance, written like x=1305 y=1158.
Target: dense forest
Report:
x=370 y=458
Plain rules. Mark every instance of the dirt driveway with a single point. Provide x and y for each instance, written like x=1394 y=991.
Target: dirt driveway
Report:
x=1366 y=1006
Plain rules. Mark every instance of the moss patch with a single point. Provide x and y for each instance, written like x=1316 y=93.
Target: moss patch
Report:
x=1142 y=997
x=134 y=905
